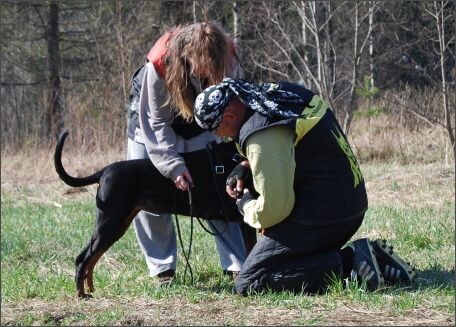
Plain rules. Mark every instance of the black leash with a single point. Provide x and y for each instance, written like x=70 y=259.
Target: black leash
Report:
x=186 y=255
x=216 y=170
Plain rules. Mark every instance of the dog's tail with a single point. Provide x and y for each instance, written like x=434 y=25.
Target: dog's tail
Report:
x=70 y=180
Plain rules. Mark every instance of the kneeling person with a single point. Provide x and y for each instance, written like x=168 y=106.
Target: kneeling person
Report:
x=309 y=196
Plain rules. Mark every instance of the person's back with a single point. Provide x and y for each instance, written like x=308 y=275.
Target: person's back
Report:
x=327 y=172
x=326 y=168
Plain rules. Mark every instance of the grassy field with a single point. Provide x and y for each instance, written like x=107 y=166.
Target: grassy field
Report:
x=45 y=224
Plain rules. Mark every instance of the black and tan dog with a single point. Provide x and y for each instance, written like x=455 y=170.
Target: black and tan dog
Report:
x=126 y=187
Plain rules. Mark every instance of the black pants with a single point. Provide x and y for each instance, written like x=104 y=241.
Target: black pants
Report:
x=293 y=257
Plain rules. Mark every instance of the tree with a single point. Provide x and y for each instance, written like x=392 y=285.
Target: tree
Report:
x=74 y=63
x=443 y=13
x=53 y=103
x=318 y=51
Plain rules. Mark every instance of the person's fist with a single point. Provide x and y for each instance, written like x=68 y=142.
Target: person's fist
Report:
x=235 y=180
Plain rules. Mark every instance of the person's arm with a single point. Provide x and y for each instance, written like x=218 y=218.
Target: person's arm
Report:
x=271 y=157
x=155 y=118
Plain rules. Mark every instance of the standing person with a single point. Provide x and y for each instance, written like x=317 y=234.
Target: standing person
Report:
x=309 y=196
x=180 y=64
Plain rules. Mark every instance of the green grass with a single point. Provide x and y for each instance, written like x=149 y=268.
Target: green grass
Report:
x=39 y=243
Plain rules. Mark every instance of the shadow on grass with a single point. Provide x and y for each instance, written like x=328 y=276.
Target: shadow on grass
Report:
x=429 y=279
x=432 y=278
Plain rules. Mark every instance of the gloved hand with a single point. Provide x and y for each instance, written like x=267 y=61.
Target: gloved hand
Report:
x=243 y=200
x=239 y=174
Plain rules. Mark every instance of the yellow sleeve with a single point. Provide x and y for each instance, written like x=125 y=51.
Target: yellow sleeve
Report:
x=271 y=156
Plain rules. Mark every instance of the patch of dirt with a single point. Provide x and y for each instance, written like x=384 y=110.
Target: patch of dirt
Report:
x=178 y=312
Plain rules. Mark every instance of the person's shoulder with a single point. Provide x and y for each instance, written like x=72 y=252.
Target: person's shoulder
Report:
x=300 y=90
x=289 y=86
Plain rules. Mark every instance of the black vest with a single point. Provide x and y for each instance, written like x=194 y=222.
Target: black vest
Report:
x=329 y=186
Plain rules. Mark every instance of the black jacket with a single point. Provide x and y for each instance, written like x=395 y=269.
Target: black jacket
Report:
x=329 y=186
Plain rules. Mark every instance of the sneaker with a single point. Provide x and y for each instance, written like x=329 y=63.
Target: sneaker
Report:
x=365 y=266
x=165 y=278
x=394 y=268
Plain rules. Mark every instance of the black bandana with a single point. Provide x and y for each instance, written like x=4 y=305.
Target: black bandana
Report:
x=211 y=103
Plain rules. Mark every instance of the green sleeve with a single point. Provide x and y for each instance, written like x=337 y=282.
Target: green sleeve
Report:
x=271 y=156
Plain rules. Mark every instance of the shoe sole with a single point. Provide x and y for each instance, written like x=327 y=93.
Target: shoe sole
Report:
x=386 y=253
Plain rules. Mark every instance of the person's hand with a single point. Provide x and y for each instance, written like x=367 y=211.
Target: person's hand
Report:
x=184 y=180
x=245 y=197
x=235 y=180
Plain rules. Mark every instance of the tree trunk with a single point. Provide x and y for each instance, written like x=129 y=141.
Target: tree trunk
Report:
x=440 y=17
x=53 y=105
x=349 y=110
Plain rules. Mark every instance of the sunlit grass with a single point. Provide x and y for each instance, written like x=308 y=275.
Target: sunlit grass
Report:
x=42 y=235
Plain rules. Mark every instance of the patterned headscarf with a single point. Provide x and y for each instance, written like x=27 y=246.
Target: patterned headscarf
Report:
x=210 y=104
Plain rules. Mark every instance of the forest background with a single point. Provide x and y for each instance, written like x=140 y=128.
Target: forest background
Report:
x=69 y=64
x=387 y=68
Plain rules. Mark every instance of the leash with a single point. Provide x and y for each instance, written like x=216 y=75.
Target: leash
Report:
x=186 y=255
x=216 y=170
x=217 y=174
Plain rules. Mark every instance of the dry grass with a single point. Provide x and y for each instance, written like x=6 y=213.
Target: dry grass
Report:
x=388 y=154
x=175 y=312
x=400 y=155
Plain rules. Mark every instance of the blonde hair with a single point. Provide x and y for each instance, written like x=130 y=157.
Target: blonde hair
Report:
x=197 y=48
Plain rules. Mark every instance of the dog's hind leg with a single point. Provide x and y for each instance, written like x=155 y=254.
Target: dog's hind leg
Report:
x=106 y=233
x=84 y=272
x=85 y=264
x=89 y=271
x=82 y=260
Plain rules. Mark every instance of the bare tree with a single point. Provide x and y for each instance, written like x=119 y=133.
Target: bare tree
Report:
x=442 y=13
x=312 y=52
x=76 y=60
x=361 y=40
x=54 y=107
